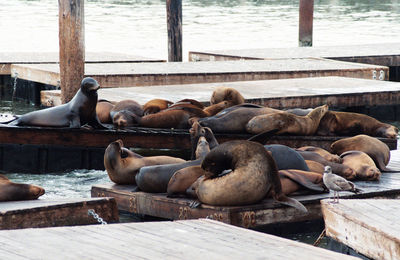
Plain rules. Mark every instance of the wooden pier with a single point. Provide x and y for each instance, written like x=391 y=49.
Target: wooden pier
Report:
x=161 y=73
x=192 y=239
x=368 y=226
x=265 y=212
x=53 y=213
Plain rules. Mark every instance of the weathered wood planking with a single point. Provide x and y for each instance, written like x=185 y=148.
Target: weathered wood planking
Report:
x=265 y=212
x=52 y=213
x=368 y=226
x=191 y=239
x=8 y=58
x=386 y=54
x=281 y=93
x=161 y=73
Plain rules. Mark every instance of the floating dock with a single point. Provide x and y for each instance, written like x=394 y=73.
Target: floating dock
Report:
x=280 y=94
x=53 y=213
x=169 y=73
x=192 y=239
x=368 y=226
x=265 y=212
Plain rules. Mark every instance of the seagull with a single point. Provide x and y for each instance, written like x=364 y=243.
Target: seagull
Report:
x=337 y=183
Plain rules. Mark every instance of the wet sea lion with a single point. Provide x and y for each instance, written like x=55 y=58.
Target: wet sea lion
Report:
x=122 y=164
x=315 y=166
x=79 y=111
x=103 y=109
x=124 y=113
x=216 y=108
x=176 y=118
x=346 y=123
x=363 y=165
x=226 y=94
x=287 y=123
x=10 y=191
x=286 y=157
x=254 y=174
x=197 y=131
x=324 y=153
x=298 y=180
x=155 y=105
x=376 y=149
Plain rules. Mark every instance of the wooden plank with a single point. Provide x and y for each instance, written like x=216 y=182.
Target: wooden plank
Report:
x=280 y=94
x=194 y=239
x=143 y=74
x=306 y=15
x=47 y=213
x=361 y=225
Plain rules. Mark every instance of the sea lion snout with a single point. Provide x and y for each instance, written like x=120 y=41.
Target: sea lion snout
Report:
x=36 y=191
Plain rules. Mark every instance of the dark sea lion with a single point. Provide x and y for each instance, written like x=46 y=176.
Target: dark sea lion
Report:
x=340 y=169
x=79 y=111
x=287 y=123
x=155 y=105
x=10 y=191
x=122 y=164
x=297 y=180
x=324 y=153
x=103 y=109
x=226 y=94
x=376 y=149
x=363 y=165
x=254 y=174
x=286 y=157
x=124 y=113
x=346 y=123
x=315 y=166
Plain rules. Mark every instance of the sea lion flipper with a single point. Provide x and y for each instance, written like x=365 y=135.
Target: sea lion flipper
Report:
x=303 y=181
x=290 y=202
x=194 y=204
x=263 y=137
x=95 y=123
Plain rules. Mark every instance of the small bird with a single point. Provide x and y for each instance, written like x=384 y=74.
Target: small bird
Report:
x=337 y=183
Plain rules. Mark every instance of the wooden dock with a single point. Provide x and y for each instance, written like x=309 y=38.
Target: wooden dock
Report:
x=53 y=213
x=161 y=73
x=280 y=94
x=9 y=58
x=265 y=212
x=368 y=226
x=194 y=239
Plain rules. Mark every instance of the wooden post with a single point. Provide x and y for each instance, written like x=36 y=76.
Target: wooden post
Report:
x=72 y=46
x=174 y=26
x=306 y=13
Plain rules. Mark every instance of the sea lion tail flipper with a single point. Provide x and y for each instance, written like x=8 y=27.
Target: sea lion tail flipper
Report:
x=283 y=199
x=302 y=180
x=8 y=119
x=263 y=137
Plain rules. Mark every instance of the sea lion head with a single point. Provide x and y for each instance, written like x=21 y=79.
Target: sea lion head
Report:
x=34 y=192
x=388 y=131
x=89 y=85
x=113 y=154
x=123 y=119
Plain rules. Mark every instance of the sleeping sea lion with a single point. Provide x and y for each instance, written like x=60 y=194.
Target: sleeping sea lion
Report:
x=155 y=105
x=298 y=180
x=287 y=123
x=124 y=113
x=376 y=149
x=226 y=94
x=103 y=109
x=349 y=124
x=122 y=164
x=324 y=153
x=79 y=111
x=315 y=166
x=363 y=165
x=286 y=157
x=10 y=191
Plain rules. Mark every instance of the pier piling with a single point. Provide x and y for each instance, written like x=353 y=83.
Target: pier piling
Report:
x=306 y=13
x=174 y=27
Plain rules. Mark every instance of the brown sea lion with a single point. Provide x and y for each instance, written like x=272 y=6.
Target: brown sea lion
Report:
x=79 y=111
x=124 y=113
x=376 y=149
x=103 y=109
x=155 y=105
x=254 y=174
x=363 y=165
x=340 y=169
x=188 y=101
x=10 y=191
x=287 y=123
x=196 y=132
x=315 y=166
x=176 y=118
x=226 y=94
x=122 y=164
x=324 y=153
x=298 y=180
x=346 y=123
x=216 y=108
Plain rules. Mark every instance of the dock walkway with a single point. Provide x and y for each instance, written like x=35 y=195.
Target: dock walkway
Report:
x=194 y=239
x=371 y=227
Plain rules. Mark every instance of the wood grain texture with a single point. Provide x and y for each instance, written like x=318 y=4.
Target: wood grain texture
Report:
x=174 y=28
x=306 y=15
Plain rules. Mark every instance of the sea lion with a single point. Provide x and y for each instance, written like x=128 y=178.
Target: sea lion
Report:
x=10 y=191
x=216 y=108
x=254 y=174
x=324 y=153
x=286 y=157
x=156 y=105
x=363 y=165
x=226 y=94
x=103 y=109
x=315 y=166
x=124 y=113
x=376 y=149
x=298 y=180
x=79 y=111
x=287 y=123
x=340 y=169
x=346 y=123
x=196 y=132
x=122 y=164
x=177 y=118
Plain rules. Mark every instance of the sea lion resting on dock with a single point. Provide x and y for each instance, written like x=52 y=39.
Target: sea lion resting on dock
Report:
x=10 y=191
x=124 y=112
x=324 y=153
x=363 y=165
x=226 y=94
x=298 y=180
x=122 y=164
x=156 y=105
x=79 y=111
x=103 y=109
